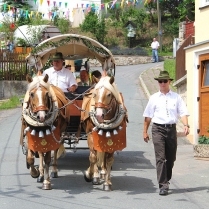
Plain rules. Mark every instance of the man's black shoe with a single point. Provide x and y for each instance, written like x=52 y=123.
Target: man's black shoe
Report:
x=163 y=192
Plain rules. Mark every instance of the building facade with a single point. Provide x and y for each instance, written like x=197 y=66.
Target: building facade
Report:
x=197 y=67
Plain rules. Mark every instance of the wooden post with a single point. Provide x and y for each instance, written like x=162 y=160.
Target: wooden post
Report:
x=159 y=25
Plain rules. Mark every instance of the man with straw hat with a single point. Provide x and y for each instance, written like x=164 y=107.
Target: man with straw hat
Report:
x=163 y=109
x=59 y=75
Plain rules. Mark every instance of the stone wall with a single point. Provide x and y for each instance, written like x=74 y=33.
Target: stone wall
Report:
x=12 y=88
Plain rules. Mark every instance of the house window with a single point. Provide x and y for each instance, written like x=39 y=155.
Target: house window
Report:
x=206 y=77
x=204 y=3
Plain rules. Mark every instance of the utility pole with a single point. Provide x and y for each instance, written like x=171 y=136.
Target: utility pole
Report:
x=159 y=25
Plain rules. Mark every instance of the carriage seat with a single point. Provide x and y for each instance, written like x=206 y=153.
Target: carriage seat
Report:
x=78 y=91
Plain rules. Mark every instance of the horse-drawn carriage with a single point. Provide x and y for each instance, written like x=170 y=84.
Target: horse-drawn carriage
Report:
x=53 y=121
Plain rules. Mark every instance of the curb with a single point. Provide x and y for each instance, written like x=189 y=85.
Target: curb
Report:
x=143 y=85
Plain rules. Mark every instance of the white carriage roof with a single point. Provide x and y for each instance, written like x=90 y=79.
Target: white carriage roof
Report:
x=73 y=46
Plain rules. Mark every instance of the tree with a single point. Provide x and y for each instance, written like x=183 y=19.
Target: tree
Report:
x=177 y=9
x=62 y=24
x=95 y=26
x=20 y=4
x=187 y=10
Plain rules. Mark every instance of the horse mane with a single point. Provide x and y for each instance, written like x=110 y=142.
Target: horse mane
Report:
x=37 y=81
x=105 y=82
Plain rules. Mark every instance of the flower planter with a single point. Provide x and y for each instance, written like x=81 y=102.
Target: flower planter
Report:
x=22 y=49
x=201 y=150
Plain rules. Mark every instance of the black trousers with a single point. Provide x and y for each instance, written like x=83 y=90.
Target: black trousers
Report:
x=165 y=145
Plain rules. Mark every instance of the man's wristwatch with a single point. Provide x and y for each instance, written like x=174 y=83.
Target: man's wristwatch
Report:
x=187 y=126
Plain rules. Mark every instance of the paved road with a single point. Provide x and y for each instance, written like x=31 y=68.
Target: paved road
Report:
x=133 y=175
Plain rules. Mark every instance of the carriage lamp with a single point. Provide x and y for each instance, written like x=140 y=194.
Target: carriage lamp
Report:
x=53 y=128
x=48 y=132
x=120 y=127
x=26 y=129
x=41 y=134
x=100 y=132
x=108 y=134
x=33 y=132
x=115 y=132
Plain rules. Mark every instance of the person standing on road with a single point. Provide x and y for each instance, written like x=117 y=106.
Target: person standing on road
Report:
x=59 y=75
x=163 y=109
x=155 y=45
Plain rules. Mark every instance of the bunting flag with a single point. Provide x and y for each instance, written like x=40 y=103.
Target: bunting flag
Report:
x=122 y=3
x=67 y=14
x=113 y=3
x=85 y=7
x=5 y=7
x=106 y=6
x=117 y=5
x=26 y=14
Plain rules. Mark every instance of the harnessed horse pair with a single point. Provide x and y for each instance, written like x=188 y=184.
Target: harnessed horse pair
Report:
x=103 y=118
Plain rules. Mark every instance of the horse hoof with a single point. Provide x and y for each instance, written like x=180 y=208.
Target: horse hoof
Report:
x=87 y=179
x=40 y=179
x=54 y=175
x=46 y=187
x=107 y=187
x=37 y=173
x=95 y=181
x=27 y=165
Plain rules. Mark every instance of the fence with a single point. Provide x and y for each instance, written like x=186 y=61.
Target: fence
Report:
x=180 y=58
x=13 y=66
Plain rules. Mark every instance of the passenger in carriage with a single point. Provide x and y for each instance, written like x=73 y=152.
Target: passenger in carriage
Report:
x=60 y=76
x=84 y=77
x=97 y=74
x=68 y=67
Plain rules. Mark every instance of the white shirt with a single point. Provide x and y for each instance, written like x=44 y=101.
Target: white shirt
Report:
x=63 y=78
x=165 y=108
x=155 y=45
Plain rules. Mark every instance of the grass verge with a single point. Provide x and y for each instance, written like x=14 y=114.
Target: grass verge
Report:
x=170 y=66
x=10 y=103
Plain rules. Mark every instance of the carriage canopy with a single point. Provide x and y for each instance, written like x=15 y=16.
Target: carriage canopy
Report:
x=73 y=47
